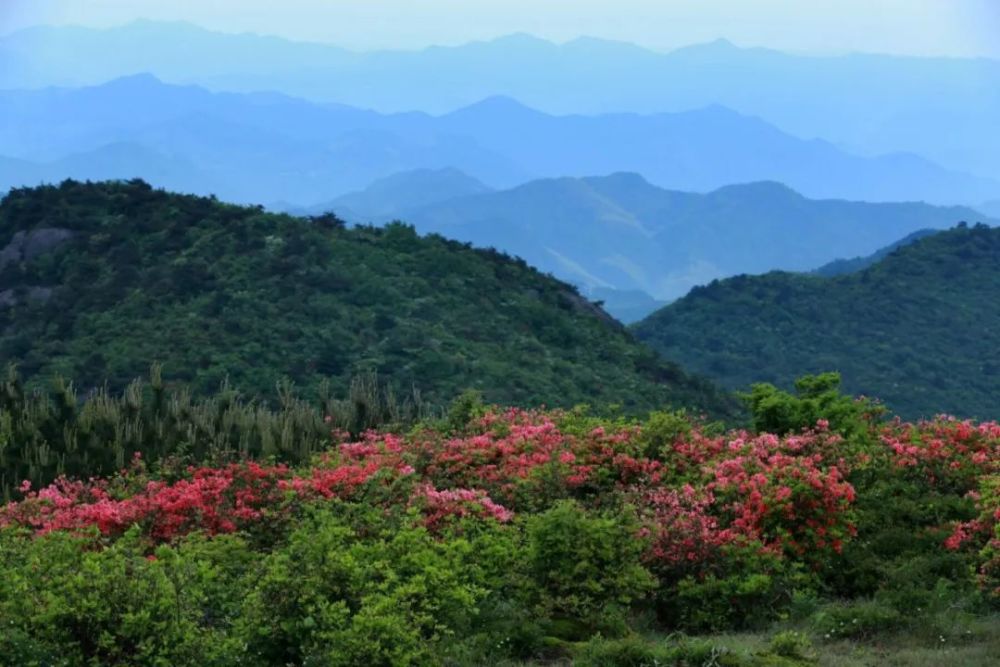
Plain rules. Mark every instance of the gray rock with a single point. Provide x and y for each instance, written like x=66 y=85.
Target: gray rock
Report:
x=8 y=297
x=27 y=245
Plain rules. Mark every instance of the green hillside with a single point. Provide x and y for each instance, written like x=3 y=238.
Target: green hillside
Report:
x=920 y=329
x=99 y=280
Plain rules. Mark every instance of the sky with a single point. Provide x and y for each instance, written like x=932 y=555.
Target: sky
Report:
x=911 y=27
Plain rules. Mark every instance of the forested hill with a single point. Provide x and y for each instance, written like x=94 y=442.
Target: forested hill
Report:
x=99 y=280
x=919 y=329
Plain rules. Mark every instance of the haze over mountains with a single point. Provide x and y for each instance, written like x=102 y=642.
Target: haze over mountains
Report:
x=870 y=104
x=266 y=147
x=621 y=232
x=688 y=166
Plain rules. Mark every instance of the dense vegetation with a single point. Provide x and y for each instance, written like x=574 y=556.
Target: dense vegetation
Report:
x=495 y=536
x=215 y=291
x=919 y=329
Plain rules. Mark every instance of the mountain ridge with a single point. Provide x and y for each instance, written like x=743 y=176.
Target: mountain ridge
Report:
x=883 y=103
x=273 y=147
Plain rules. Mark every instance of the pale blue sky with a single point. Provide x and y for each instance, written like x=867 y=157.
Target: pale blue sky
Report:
x=921 y=27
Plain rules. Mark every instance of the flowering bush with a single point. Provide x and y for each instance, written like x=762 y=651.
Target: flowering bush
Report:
x=561 y=523
x=947 y=452
x=699 y=494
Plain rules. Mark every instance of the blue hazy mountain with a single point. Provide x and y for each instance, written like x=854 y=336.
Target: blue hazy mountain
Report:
x=990 y=208
x=944 y=109
x=244 y=147
x=392 y=196
x=268 y=147
x=622 y=233
x=114 y=161
x=702 y=150
x=628 y=306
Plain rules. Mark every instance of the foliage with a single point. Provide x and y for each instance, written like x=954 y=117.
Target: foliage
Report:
x=216 y=291
x=817 y=397
x=585 y=570
x=47 y=434
x=499 y=534
x=918 y=329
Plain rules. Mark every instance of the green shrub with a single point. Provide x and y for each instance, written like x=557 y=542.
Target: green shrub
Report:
x=63 y=602
x=817 y=397
x=630 y=651
x=343 y=594
x=585 y=568
x=747 y=589
x=791 y=644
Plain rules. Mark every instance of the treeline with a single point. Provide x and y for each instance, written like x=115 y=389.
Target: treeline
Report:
x=46 y=433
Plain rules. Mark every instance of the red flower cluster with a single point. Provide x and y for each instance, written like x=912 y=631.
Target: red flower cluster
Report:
x=440 y=507
x=695 y=496
x=963 y=458
x=785 y=492
x=213 y=500
x=701 y=494
x=946 y=451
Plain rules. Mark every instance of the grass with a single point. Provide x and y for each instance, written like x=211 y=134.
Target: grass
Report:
x=977 y=646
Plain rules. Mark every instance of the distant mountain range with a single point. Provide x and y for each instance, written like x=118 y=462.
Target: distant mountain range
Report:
x=991 y=208
x=919 y=329
x=265 y=147
x=393 y=197
x=945 y=109
x=620 y=232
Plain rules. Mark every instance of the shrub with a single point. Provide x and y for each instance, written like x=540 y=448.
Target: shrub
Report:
x=586 y=568
x=368 y=593
x=791 y=644
x=748 y=588
x=60 y=598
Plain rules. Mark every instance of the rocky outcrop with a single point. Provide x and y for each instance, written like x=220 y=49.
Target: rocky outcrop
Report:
x=23 y=247
x=583 y=305
x=9 y=297
x=26 y=245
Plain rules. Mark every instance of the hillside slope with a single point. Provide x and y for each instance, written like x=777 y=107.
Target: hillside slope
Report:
x=920 y=329
x=99 y=280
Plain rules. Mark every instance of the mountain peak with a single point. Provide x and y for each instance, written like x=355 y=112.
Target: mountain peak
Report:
x=757 y=189
x=495 y=105
x=520 y=39
x=138 y=80
x=717 y=47
x=625 y=178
